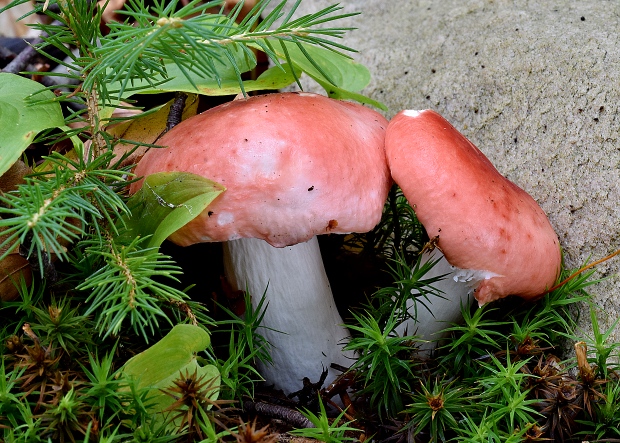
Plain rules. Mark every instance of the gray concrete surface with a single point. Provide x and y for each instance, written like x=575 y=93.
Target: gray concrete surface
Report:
x=534 y=84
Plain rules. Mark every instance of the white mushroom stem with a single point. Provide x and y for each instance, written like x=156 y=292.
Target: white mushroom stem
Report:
x=443 y=306
x=300 y=305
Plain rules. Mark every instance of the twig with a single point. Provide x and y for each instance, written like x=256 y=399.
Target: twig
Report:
x=342 y=383
x=176 y=110
x=308 y=395
x=6 y=55
x=291 y=416
x=347 y=408
x=23 y=59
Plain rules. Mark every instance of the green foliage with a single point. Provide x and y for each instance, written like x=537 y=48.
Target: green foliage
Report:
x=410 y=285
x=384 y=363
x=20 y=311
x=101 y=278
x=398 y=234
x=126 y=287
x=103 y=386
x=166 y=202
x=10 y=402
x=437 y=407
x=64 y=420
x=39 y=215
x=601 y=347
x=276 y=77
x=216 y=49
x=157 y=367
x=505 y=393
x=77 y=198
x=605 y=422
x=59 y=206
x=323 y=430
x=245 y=347
x=25 y=111
x=63 y=325
x=476 y=336
x=338 y=77
x=484 y=431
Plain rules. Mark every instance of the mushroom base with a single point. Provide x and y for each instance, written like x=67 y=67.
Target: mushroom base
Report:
x=300 y=306
x=444 y=306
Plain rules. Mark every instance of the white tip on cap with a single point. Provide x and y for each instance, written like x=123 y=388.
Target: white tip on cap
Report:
x=413 y=112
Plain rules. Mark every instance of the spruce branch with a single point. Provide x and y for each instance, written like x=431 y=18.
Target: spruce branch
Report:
x=199 y=42
x=40 y=214
x=53 y=208
x=128 y=286
x=103 y=181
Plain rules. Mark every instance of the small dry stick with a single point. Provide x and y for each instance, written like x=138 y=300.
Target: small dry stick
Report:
x=21 y=61
x=579 y=271
x=289 y=415
x=176 y=110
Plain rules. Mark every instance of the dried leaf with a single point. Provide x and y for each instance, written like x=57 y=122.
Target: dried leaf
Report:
x=146 y=129
x=13 y=268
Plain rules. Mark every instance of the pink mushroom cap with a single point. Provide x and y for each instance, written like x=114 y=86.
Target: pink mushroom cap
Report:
x=294 y=165
x=485 y=223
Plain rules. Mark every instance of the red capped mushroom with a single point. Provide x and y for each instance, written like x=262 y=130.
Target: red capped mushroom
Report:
x=487 y=227
x=294 y=165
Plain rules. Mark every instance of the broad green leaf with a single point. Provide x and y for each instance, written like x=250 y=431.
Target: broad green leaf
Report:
x=168 y=355
x=272 y=78
x=171 y=358
x=276 y=77
x=168 y=201
x=25 y=110
x=177 y=80
x=344 y=76
x=341 y=71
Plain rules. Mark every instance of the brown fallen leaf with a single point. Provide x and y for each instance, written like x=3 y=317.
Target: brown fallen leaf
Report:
x=146 y=129
x=14 y=176
x=13 y=268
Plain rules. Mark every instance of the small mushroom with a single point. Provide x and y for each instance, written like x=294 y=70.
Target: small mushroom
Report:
x=294 y=165
x=487 y=227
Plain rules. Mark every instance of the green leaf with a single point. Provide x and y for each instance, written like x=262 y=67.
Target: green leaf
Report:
x=339 y=75
x=276 y=77
x=272 y=78
x=339 y=70
x=166 y=202
x=168 y=359
x=23 y=115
